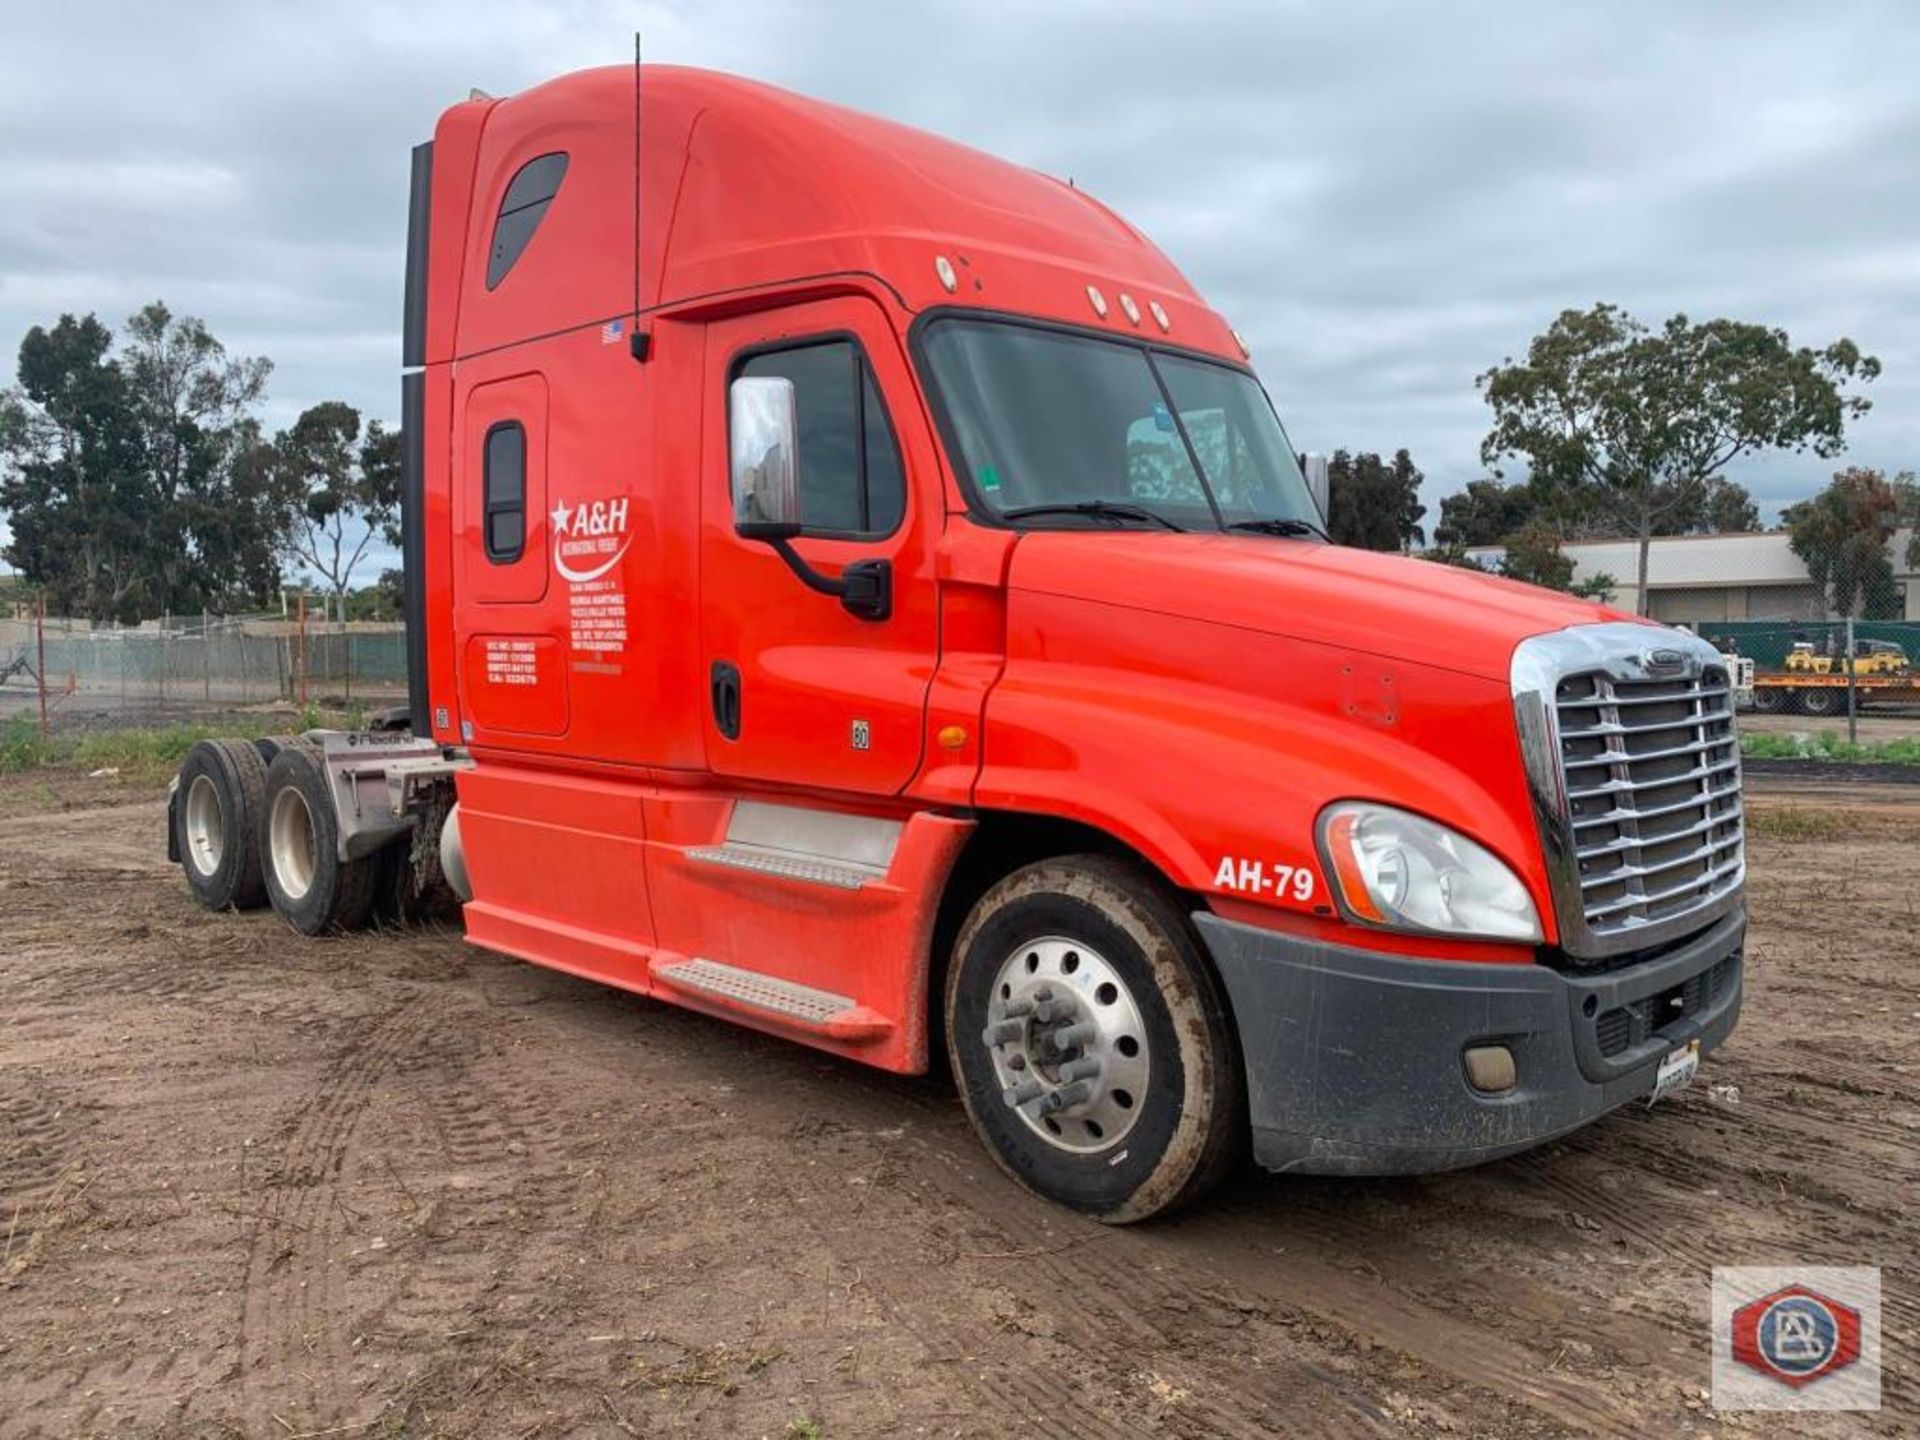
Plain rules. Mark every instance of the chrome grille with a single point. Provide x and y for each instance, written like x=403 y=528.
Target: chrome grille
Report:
x=1653 y=789
x=1635 y=769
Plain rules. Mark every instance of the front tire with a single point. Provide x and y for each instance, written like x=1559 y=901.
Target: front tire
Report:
x=312 y=889
x=1090 y=1042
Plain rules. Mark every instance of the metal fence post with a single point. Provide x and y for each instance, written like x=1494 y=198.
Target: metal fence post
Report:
x=1853 y=696
x=300 y=651
x=40 y=670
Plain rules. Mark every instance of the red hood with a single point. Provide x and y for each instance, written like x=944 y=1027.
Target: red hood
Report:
x=1388 y=605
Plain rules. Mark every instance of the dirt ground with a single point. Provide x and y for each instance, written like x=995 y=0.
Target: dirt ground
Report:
x=391 y=1185
x=1876 y=726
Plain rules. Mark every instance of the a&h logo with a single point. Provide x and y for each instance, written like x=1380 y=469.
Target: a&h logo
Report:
x=588 y=538
x=1796 y=1338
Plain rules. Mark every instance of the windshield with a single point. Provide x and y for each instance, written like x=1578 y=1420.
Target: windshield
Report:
x=1099 y=427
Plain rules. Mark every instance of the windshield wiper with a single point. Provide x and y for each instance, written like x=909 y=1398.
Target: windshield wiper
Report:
x=1280 y=526
x=1108 y=509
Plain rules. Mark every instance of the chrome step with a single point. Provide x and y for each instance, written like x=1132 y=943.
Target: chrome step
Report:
x=840 y=874
x=749 y=987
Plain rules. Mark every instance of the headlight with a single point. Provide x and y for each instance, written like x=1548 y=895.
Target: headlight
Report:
x=1400 y=871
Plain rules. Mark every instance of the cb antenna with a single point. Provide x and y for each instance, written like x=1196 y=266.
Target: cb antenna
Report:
x=638 y=340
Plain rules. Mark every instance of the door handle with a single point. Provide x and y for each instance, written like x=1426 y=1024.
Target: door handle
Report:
x=724 y=682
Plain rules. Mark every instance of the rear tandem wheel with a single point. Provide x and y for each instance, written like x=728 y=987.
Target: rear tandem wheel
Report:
x=311 y=887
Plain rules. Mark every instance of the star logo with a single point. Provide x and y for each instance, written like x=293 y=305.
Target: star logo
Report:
x=561 y=514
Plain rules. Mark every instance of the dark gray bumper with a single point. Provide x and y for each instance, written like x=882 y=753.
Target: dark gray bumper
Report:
x=1354 y=1062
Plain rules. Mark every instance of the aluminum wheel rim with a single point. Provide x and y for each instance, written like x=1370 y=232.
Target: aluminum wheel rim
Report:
x=290 y=838
x=206 y=827
x=1068 y=1045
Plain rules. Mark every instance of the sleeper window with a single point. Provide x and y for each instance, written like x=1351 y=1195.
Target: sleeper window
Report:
x=522 y=209
x=850 y=476
x=505 y=483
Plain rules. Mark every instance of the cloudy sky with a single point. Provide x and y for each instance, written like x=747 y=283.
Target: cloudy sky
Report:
x=1385 y=198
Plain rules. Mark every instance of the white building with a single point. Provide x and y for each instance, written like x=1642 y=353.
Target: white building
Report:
x=1692 y=578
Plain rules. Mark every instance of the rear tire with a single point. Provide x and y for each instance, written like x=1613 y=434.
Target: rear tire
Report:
x=1826 y=700
x=1152 y=1112
x=311 y=888
x=216 y=820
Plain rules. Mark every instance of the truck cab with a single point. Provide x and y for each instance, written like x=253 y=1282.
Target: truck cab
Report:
x=859 y=589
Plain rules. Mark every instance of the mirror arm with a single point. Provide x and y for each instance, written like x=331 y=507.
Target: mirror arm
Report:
x=808 y=576
x=864 y=588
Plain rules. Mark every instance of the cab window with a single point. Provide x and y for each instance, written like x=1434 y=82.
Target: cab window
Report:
x=851 y=481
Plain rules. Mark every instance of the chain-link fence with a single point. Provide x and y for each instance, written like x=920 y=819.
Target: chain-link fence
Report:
x=1835 y=640
x=86 y=676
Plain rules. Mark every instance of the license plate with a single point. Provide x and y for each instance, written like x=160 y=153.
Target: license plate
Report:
x=1676 y=1071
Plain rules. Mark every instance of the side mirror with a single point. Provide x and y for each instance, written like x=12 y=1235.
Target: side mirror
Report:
x=764 y=445
x=763 y=439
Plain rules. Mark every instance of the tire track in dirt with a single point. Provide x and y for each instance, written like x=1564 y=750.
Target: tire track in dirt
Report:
x=289 y=1326
x=1302 y=1258
x=1110 y=1321
x=1210 y=1271
x=1679 y=1221
x=38 y=1162
x=491 y=1176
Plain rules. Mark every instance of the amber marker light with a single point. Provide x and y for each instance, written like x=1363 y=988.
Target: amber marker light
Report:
x=1344 y=855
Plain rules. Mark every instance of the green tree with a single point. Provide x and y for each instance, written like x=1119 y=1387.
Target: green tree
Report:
x=1843 y=535
x=1727 y=509
x=71 y=482
x=1485 y=513
x=210 y=536
x=129 y=478
x=1534 y=555
x=1372 y=504
x=385 y=599
x=339 y=489
x=1628 y=427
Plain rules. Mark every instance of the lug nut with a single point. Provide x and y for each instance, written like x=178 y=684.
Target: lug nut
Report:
x=1002 y=1032
x=1066 y=1097
x=1047 y=1010
x=1085 y=1068
x=1018 y=1095
x=1016 y=1010
x=1074 y=1035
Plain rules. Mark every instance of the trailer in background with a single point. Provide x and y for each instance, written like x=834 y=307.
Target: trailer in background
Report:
x=1823 y=695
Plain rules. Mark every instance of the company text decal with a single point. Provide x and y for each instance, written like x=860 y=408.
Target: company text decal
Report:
x=589 y=541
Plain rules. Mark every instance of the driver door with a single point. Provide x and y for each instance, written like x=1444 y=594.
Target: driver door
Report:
x=802 y=691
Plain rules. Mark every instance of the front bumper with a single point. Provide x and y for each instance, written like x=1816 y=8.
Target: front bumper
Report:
x=1354 y=1058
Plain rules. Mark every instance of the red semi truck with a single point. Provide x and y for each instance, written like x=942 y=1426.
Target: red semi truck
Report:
x=856 y=587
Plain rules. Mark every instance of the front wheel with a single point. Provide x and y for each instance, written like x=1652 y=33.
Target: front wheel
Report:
x=1090 y=1042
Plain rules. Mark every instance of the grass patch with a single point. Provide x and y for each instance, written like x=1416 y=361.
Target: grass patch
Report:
x=1829 y=745
x=151 y=754
x=1796 y=822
